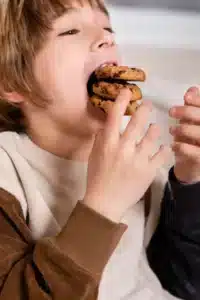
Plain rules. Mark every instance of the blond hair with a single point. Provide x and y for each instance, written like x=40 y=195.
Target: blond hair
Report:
x=24 y=25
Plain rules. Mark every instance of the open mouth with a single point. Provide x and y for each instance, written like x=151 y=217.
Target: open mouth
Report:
x=106 y=82
x=93 y=78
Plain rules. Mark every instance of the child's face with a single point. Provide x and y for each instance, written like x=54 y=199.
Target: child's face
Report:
x=80 y=42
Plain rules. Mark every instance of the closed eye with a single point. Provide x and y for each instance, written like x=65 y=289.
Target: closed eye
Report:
x=69 y=32
x=76 y=31
x=109 y=29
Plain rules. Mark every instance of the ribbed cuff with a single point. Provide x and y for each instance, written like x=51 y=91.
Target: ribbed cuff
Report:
x=89 y=239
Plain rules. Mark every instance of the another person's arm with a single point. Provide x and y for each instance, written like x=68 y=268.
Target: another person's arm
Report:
x=67 y=266
x=174 y=251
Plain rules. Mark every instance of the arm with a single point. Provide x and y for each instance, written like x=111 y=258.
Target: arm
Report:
x=174 y=251
x=68 y=266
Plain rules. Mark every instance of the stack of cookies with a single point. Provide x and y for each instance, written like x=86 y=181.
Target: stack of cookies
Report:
x=109 y=80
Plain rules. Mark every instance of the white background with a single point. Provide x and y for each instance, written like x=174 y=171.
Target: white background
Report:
x=166 y=44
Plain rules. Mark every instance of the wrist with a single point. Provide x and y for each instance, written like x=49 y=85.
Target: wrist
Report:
x=186 y=175
x=107 y=212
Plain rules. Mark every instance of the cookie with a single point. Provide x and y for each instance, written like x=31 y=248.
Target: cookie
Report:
x=120 y=73
x=105 y=105
x=110 y=90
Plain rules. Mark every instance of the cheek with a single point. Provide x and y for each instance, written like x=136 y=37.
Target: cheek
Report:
x=61 y=73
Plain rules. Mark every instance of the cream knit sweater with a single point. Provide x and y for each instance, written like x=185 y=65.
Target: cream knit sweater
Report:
x=48 y=188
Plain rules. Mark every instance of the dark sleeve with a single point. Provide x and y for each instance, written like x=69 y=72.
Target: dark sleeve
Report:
x=174 y=251
x=65 y=267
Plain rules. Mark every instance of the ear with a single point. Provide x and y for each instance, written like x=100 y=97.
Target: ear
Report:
x=14 y=97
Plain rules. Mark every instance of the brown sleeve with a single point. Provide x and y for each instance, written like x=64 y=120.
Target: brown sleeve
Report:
x=68 y=266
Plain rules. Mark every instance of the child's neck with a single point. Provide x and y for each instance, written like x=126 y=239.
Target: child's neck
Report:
x=64 y=145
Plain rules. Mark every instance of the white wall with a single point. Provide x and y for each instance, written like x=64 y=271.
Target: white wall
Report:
x=156 y=27
x=167 y=46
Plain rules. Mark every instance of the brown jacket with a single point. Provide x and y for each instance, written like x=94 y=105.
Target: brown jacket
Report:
x=60 y=267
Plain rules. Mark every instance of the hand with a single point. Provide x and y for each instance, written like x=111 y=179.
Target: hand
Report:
x=120 y=170
x=186 y=144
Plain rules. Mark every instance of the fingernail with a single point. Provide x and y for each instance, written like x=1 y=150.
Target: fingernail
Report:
x=172 y=129
x=191 y=93
x=172 y=111
x=173 y=146
x=194 y=91
x=189 y=97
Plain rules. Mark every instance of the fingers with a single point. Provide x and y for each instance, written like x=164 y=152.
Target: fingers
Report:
x=115 y=115
x=162 y=157
x=188 y=151
x=147 y=146
x=137 y=123
x=186 y=113
x=192 y=97
x=190 y=112
x=186 y=132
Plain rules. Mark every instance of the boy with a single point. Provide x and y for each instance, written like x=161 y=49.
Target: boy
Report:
x=72 y=225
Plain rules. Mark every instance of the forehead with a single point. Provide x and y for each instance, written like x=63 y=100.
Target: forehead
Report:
x=84 y=10
x=95 y=4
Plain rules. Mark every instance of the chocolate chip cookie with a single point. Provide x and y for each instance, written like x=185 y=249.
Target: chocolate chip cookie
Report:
x=108 y=90
x=120 y=73
x=106 y=82
x=105 y=105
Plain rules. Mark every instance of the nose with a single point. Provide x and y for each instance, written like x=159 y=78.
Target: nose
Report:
x=102 y=40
